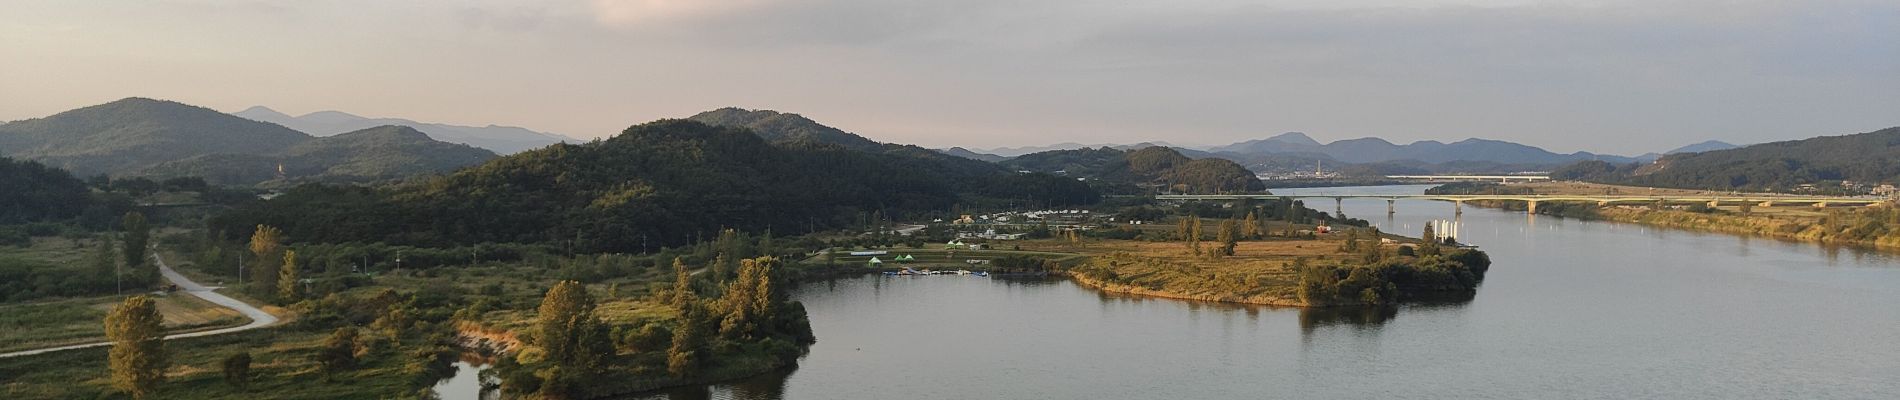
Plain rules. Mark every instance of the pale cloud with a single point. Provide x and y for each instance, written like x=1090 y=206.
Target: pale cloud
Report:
x=636 y=12
x=1622 y=76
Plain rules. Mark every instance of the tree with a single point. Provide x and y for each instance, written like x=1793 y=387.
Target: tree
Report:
x=138 y=235
x=137 y=358
x=1194 y=236
x=1250 y=228
x=105 y=262
x=682 y=286
x=574 y=342
x=394 y=322
x=1430 y=246
x=683 y=357
x=1228 y=237
x=237 y=370
x=267 y=245
x=338 y=353
x=287 y=277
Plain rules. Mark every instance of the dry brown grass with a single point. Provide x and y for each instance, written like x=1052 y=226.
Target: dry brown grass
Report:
x=1259 y=272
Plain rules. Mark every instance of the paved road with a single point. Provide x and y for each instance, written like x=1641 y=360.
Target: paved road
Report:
x=258 y=317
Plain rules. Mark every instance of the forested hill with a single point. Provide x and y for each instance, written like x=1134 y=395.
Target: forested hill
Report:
x=137 y=133
x=780 y=128
x=1872 y=157
x=791 y=129
x=35 y=192
x=139 y=137
x=1153 y=166
x=662 y=183
x=384 y=152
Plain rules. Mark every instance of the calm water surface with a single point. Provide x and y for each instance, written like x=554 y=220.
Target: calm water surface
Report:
x=1571 y=309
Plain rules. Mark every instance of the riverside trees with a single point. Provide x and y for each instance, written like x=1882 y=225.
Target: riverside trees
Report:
x=741 y=324
x=137 y=358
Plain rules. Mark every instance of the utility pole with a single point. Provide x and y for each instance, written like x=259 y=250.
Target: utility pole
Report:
x=240 y=267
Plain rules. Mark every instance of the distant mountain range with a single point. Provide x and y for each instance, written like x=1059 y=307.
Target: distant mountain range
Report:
x=158 y=138
x=969 y=170
x=1374 y=150
x=1152 y=166
x=1866 y=158
x=1711 y=145
x=500 y=139
x=1295 y=151
x=1017 y=151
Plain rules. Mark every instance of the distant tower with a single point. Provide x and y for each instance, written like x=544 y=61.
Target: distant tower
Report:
x=1316 y=168
x=280 y=171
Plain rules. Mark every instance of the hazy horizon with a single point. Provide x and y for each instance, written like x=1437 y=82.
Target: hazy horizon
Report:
x=1617 y=77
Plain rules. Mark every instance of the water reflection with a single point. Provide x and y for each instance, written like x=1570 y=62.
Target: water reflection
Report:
x=768 y=386
x=472 y=379
x=1358 y=318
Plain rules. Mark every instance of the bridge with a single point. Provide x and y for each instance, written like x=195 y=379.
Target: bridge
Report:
x=1500 y=178
x=1458 y=200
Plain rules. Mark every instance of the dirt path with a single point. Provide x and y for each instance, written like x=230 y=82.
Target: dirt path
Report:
x=258 y=317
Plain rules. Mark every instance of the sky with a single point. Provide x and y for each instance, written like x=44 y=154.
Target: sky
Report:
x=1610 y=76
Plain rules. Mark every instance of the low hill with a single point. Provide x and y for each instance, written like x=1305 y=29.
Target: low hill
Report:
x=385 y=152
x=662 y=183
x=1711 y=145
x=969 y=176
x=157 y=138
x=1148 y=167
x=781 y=128
x=1376 y=150
x=36 y=192
x=971 y=154
x=137 y=133
x=496 y=138
x=1872 y=157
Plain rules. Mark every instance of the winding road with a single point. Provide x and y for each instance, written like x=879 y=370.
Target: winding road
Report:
x=258 y=317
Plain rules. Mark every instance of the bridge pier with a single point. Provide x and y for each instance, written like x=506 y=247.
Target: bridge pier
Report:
x=1532 y=208
x=1339 y=206
x=1389 y=208
x=1458 y=207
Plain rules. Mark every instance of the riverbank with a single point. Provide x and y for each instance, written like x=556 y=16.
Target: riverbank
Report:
x=1875 y=226
x=1120 y=288
x=1844 y=228
x=1351 y=268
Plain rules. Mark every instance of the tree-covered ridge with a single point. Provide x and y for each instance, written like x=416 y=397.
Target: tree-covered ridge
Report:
x=1871 y=157
x=1153 y=166
x=164 y=139
x=777 y=127
x=982 y=183
x=35 y=192
x=137 y=133
x=657 y=184
x=383 y=152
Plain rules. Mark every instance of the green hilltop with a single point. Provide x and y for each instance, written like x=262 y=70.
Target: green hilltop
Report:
x=139 y=137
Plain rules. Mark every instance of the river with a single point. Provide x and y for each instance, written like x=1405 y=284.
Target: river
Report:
x=1570 y=309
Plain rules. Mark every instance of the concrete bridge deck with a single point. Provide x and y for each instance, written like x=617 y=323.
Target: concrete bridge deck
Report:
x=1458 y=200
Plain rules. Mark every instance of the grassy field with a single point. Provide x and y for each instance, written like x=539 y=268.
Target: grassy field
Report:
x=281 y=362
x=1259 y=272
x=939 y=258
x=65 y=321
x=65 y=253
x=75 y=321
x=284 y=354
